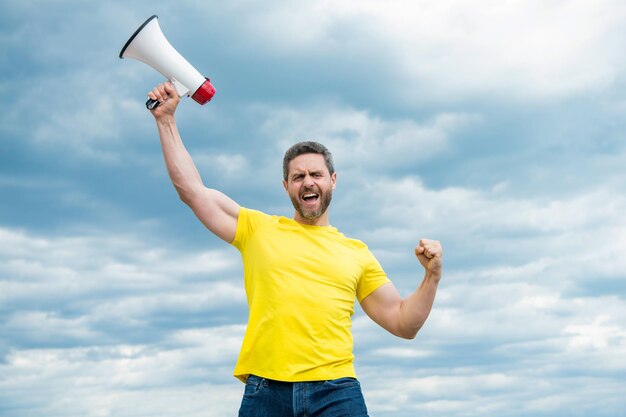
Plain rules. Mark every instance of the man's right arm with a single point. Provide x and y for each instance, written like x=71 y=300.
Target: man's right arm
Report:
x=214 y=209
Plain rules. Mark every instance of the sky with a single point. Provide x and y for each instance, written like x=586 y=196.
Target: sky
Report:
x=496 y=127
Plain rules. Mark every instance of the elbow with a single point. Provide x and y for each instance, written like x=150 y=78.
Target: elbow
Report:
x=410 y=322
x=404 y=332
x=408 y=334
x=409 y=329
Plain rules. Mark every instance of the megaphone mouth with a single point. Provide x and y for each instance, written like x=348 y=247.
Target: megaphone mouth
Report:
x=149 y=45
x=130 y=40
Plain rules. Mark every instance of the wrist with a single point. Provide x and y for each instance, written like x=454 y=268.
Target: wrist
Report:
x=433 y=277
x=165 y=120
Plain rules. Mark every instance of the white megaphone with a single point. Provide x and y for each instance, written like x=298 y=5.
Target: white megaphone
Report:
x=148 y=44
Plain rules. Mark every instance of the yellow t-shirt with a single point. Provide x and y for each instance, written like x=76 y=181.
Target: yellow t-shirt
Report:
x=301 y=282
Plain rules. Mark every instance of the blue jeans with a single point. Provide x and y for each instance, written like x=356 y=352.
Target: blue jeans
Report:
x=268 y=398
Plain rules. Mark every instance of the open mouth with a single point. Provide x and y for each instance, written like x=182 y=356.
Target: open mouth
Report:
x=310 y=197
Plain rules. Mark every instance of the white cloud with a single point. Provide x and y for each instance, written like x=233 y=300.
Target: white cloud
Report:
x=68 y=301
x=44 y=327
x=397 y=352
x=81 y=114
x=541 y=226
x=362 y=141
x=128 y=380
x=598 y=334
x=222 y=165
x=121 y=258
x=477 y=391
x=95 y=289
x=453 y=49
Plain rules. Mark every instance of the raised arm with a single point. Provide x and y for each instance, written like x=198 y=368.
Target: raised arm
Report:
x=404 y=317
x=214 y=209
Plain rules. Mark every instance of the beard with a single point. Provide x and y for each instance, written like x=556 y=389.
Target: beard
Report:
x=312 y=213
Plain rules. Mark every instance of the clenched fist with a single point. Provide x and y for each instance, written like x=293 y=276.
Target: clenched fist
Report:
x=168 y=98
x=430 y=253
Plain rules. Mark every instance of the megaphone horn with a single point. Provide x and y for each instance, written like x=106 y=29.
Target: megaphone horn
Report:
x=148 y=45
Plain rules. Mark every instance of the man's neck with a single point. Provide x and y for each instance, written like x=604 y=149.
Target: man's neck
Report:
x=318 y=221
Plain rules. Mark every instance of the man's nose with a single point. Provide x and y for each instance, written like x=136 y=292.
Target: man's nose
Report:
x=308 y=181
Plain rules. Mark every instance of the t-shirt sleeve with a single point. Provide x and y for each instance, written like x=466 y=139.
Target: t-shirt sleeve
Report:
x=373 y=276
x=247 y=222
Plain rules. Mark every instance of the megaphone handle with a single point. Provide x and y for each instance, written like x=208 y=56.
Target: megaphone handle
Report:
x=152 y=104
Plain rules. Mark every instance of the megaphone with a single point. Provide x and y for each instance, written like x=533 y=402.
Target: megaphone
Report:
x=149 y=45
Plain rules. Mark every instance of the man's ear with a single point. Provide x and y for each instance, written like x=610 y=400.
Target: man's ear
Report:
x=285 y=185
x=333 y=179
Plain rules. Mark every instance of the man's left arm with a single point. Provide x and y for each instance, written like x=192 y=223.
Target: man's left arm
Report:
x=404 y=317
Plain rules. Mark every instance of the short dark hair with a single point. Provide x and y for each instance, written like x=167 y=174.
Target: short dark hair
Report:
x=302 y=148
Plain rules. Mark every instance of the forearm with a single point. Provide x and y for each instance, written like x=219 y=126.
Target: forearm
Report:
x=180 y=167
x=415 y=309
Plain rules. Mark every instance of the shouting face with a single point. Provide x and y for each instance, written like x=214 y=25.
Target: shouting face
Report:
x=310 y=187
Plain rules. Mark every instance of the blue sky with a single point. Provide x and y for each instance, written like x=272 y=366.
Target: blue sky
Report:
x=495 y=127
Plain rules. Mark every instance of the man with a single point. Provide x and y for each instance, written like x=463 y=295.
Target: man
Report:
x=301 y=278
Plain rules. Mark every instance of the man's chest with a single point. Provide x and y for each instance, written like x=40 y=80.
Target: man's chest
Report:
x=305 y=260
